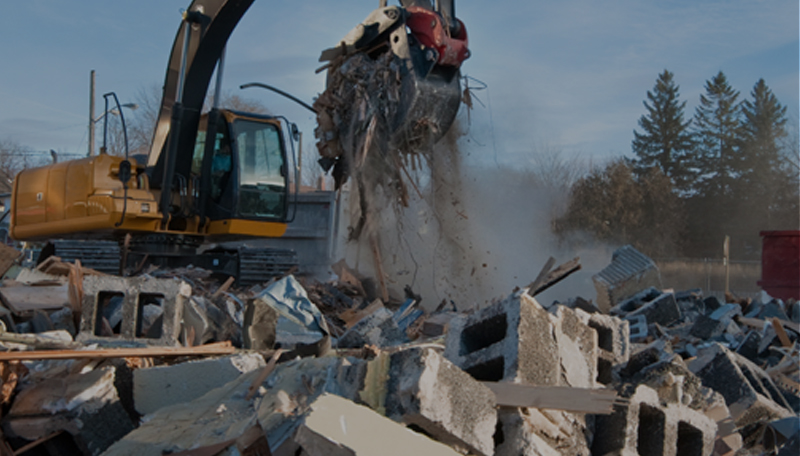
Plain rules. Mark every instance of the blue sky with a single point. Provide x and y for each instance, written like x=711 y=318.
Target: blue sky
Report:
x=570 y=74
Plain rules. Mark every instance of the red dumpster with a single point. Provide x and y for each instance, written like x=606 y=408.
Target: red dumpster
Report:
x=780 y=264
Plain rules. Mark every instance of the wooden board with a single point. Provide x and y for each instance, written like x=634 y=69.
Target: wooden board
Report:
x=580 y=400
x=220 y=348
x=21 y=300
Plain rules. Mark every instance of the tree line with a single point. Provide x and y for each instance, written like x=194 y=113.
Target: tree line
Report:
x=730 y=170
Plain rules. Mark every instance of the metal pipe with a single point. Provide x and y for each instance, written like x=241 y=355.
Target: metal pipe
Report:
x=91 y=113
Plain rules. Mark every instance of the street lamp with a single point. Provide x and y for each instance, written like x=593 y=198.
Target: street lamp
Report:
x=113 y=111
x=93 y=120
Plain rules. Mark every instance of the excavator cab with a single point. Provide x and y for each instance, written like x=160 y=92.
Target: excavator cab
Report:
x=249 y=168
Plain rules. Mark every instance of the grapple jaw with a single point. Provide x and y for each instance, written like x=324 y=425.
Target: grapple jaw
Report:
x=422 y=50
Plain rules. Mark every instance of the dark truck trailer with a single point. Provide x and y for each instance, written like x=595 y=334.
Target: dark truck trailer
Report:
x=780 y=264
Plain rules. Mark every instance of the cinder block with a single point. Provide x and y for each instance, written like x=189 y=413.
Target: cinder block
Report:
x=577 y=349
x=613 y=342
x=428 y=392
x=638 y=327
x=511 y=341
x=749 y=393
x=99 y=292
x=663 y=310
x=518 y=434
x=648 y=427
x=715 y=323
x=162 y=386
x=630 y=272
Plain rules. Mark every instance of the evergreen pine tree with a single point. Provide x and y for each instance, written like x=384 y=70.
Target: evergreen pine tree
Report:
x=718 y=127
x=770 y=181
x=762 y=129
x=666 y=139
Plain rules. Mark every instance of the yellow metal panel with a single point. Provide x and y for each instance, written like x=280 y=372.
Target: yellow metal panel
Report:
x=247 y=228
x=29 y=201
x=79 y=188
x=56 y=192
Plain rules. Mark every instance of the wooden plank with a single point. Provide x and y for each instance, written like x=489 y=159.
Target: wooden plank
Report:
x=36 y=443
x=579 y=400
x=759 y=324
x=352 y=316
x=263 y=374
x=27 y=299
x=557 y=275
x=376 y=254
x=220 y=348
x=542 y=274
x=223 y=288
x=776 y=323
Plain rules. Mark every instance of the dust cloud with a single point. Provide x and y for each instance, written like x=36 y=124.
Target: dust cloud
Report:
x=469 y=234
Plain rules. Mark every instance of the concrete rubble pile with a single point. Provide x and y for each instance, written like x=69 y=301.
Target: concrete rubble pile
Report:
x=172 y=362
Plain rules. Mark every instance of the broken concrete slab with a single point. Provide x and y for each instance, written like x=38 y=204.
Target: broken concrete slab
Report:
x=162 y=386
x=630 y=272
x=750 y=395
x=428 y=392
x=511 y=340
x=84 y=405
x=260 y=326
x=225 y=413
x=134 y=294
x=335 y=426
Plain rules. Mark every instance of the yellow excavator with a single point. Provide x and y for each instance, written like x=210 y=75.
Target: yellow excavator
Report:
x=213 y=177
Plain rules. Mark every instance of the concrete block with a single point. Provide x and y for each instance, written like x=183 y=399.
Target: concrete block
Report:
x=335 y=426
x=577 y=349
x=162 y=386
x=715 y=323
x=613 y=342
x=748 y=347
x=379 y=329
x=750 y=395
x=646 y=356
x=517 y=435
x=647 y=427
x=712 y=303
x=428 y=392
x=132 y=294
x=663 y=310
x=630 y=272
x=637 y=327
x=512 y=340
x=85 y=406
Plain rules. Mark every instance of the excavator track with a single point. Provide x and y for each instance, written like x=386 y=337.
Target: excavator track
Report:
x=103 y=256
x=262 y=264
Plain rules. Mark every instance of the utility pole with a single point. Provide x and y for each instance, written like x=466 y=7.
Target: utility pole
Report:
x=91 y=114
